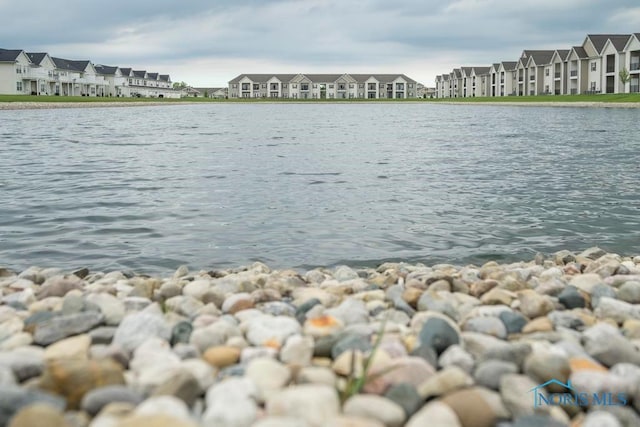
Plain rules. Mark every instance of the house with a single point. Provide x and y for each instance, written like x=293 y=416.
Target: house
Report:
x=456 y=83
x=593 y=46
x=212 y=92
x=632 y=63
x=507 y=78
x=556 y=73
x=442 y=86
x=38 y=73
x=613 y=60
x=480 y=81
x=578 y=70
x=322 y=86
x=536 y=63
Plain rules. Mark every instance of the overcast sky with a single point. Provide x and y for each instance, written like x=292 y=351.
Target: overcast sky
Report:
x=208 y=42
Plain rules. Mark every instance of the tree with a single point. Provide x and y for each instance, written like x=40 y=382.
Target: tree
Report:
x=624 y=75
x=179 y=85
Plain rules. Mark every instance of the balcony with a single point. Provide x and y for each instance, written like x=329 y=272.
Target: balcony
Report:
x=532 y=78
x=557 y=75
x=574 y=73
x=635 y=66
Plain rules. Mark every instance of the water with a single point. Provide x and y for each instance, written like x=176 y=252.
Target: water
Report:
x=301 y=185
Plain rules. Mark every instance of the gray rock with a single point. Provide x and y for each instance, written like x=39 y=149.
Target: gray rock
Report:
x=490 y=372
x=181 y=332
x=12 y=398
x=600 y=419
x=571 y=298
x=6 y=376
x=375 y=407
x=630 y=292
x=314 y=403
x=427 y=353
x=230 y=403
x=278 y=308
x=617 y=310
x=24 y=362
x=486 y=325
x=72 y=303
x=102 y=334
x=514 y=390
x=61 y=327
x=344 y=273
x=136 y=328
x=182 y=385
x=537 y=420
x=271 y=328
x=513 y=321
x=406 y=396
x=607 y=345
x=350 y=312
x=302 y=310
x=456 y=356
x=438 y=334
x=600 y=291
x=351 y=342
x=566 y=319
x=441 y=302
x=98 y=398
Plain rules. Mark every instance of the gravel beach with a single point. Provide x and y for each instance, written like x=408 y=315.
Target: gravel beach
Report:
x=398 y=345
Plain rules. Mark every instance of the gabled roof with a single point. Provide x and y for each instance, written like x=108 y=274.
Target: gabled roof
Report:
x=323 y=77
x=481 y=70
x=152 y=76
x=457 y=72
x=563 y=53
x=67 y=64
x=382 y=78
x=139 y=73
x=164 y=77
x=263 y=78
x=539 y=57
x=599 y=40
x=580 y=52
x=9 y=55
x=509 y=65
x=619 y=42
x=106 y=69
x=125 y=71
x=36 y=58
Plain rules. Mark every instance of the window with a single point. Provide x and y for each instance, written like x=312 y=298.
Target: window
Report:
x=593 y=66
x=331 y=87
x=284 y=85
x=410 y=85
x=361 y=86
x=256 y=86
x=593 y=86
x=294 y=86
x=19 y=86
x=245 y=86
x=304 y=86
x=399 y=86
x=234 y=86
x=351 y=85
x=546 y=72
x=315 y=86
x=372 y=86
x=264 y=85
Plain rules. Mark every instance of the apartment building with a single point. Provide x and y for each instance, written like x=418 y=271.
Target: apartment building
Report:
x=595 y=66
x=38 y=73
x=323 y=86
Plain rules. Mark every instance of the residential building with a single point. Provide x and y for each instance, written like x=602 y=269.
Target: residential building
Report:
x=323 y=86
x=38 y=73
x=593 y=67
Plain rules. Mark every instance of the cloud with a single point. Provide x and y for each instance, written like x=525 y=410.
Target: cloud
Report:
x=418 y=37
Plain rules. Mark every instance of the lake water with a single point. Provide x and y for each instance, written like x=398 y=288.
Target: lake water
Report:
x=301 y=185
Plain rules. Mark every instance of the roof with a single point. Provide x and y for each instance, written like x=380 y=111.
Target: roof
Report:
x=540 y=57
x=125 y=71
x=263 y=78
x=67 y=64
x=481 y=70
x=106 y=69
x=36 y=58
x=152 y=76
x=619 y=42
x=139 y=73
x=164 y=77
x=599 y=40
x=9 y=55
x=380 y=77
x=509 y=65
x=579 y=50
x=563 y=53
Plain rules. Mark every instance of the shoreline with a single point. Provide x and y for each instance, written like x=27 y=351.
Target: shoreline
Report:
x=398 y=344
x=36 y=105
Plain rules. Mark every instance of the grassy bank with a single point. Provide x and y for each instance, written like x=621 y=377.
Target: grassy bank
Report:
x=609 y=97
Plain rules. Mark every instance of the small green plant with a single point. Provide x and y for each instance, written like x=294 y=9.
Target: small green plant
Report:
x=355 y=380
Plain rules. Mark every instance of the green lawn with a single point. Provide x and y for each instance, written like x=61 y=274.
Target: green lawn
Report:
x=623 y=97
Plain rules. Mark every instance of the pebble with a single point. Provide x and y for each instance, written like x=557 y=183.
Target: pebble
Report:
x=489 y=372
x=137 y=327
x=435 y=413
x=60 y=327
x=314 y=403
x=96 y=399
x=33 y=415
x=439 y=333
x=406 y=396
x=375 y=407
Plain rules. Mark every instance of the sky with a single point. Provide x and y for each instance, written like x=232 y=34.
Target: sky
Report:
x=206 y=43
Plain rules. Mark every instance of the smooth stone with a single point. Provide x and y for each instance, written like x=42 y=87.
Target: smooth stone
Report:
x=316 y=375
x=73 y=378
x=457 y=356
x=427 y=353
x=58 y=286
x=545 y=366
x=76 y=347
x=344 y=273
x=534 y=305
x=297 y=350
x=182 y=384
x=21 y=339
x=515 y=391
x=599 y=292
x=489 y=372
x=271 y=330
x=406 y=396
x=98 y=398
x=475 y=407
x=33 y=416
x=60 y=327
x=439 y=333
x=73 y=303
x=268 y=375
x=137 y=327
x=350 y=312
x=181 y=333
x=278 y=308
x=513 y=321
x=24 y=362
x=444 y=381
x=214 y=335
x=6 y=376
x=538 y=420
x=435 y=413
x=322 y=326
x=630 y=292
x=571 y=298
x=313 y=403
x=376 y=407
x=281 y=422
x=605 y=343
x=102 y=334
x=486 y=325
x=440 y=302
x=497 y=296
x=539 y=324
x=154 y=420
x=231 y=403
x=350 y=421
x=164 y=405
x=13 y=398
x=110 y=306
x=301 y=311
x=600 y=419
x=351 y=342
x=620 y=311
x=237 y=302
x=410 y=370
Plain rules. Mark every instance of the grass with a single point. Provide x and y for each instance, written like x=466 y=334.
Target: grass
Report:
x=604 y=98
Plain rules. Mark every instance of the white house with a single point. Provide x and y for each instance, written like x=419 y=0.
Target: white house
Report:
x=632 y=63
